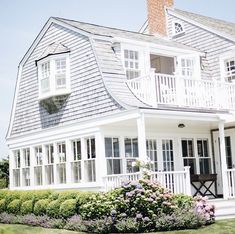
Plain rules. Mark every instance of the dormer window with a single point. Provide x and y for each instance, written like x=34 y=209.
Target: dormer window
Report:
x=54 y=77
x=229 y=69
x=178 y=28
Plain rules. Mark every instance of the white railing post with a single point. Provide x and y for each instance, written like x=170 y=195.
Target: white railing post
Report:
x=153 y=87
x=223 y=161
x=187 y=180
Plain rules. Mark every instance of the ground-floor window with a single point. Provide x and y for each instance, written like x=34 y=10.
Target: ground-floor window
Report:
x=112 y=154
x=228 y=150
x=89 y=162
x=38 y=175
x=76 y=165
x=49 y=166
x=131 y=154
x=16 y=177
x=61 y=172
x=203 y=155
x=188 y=155
x=26 y=176
x=49 y=173
x=151 y=147
x=168 y=155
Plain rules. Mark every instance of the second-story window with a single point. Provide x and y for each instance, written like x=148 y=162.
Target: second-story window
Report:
x=229 y=69
x=60 y=73
x=187 y=67
x=45 y=77
x=131 y=63
x=177 y=28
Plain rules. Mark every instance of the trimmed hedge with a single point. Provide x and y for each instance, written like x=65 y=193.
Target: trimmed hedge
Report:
x=27 y=207
x=2 y=205
x=68 y=208
x=40 y=207
x=14 y=206
x=53 y=209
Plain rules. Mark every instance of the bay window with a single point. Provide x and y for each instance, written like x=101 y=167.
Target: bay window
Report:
x=112 y=154
x=89 y=162
x=61 y=165
x=38 y=165
x=76 y=164
x=54 y=76
x=131 y=154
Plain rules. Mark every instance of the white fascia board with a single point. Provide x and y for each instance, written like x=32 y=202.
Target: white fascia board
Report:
x=162 y=48
x=171 y=12
x=210 y=117
x=75 y=127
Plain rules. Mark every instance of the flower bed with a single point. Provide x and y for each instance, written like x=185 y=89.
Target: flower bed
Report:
x=140 y=206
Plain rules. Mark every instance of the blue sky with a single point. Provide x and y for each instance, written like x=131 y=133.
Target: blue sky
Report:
x=21 y=21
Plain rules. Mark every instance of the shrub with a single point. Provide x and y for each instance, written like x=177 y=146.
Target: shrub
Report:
x=40 y=207
x=27 y=207
x=183 y=201
x=41 y=195
x=12 y=195
x=3 y=193
x=67 y=195
x=14 y=206
x=75 y=223
x=2 y=205
x=8 y=218
x=53 y=209
x=180 y=219
x=34 y=220
x=128 y=225
x=27 y=195
x=68 y=208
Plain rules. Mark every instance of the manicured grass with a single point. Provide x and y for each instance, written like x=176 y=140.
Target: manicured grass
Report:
x=23 y=229
x=220 y=227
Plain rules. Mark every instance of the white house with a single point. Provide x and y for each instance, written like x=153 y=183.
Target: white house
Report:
x=91 y=100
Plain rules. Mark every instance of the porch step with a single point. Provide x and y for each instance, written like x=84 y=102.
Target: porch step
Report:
x=224 y=209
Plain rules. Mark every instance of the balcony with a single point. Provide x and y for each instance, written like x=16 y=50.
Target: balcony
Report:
x=174 y=91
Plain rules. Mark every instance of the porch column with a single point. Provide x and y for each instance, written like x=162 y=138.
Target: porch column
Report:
x=142 y=138
x=223 y=160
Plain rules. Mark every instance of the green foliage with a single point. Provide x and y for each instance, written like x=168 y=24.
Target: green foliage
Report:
x=183 y=201
x=27 y=195
x=4 y=173
x=68 y=208
x=2 y=205
x=14 y=206
x=40 y=207
x=42 y=194
x=27 y=207
x=12 y=195
x=66 y=195
x=4 y=193
x=53 y=209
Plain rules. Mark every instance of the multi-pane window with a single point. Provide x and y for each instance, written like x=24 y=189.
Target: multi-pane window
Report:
x=204 y=158
x=45 y=77
x=112 y=154
x=60 y=73
x=229 y=69
x=61 y=166
x=76 y=164
x=151 y=147
x=168 y=155
x=89 y=163
x=131 y=63
x=188 y=155
x=187 y=67
x=26 y=169
x=16 y=169
x=49 y=167
x=228 y=151
x=178 y=28
x=131 y=154
x=38 y=166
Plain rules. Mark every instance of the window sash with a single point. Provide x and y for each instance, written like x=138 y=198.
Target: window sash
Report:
x=76 y=171
x=49 y=173
x=90 y=170
x=26 y=157
x=91 y=148
x=77 y=152
x=131 y=148
x=132 y=63
x=38 y=175
x=26 y=176
x=61 y=172
x=38 y=154
x=61 y=149
x=114 y=166
x=151 y=147
x=16 y=177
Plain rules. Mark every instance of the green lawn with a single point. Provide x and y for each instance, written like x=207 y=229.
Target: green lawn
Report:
x=220 y=227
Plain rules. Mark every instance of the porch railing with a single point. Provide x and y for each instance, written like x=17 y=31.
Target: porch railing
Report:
x=176 y=181
x=183 y=92
x=231 y=182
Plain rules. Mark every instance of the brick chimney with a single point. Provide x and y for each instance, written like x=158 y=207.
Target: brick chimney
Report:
x=157 y=16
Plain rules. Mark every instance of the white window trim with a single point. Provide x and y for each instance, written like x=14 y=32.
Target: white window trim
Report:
x=228 y=55
x=174 y=34
x=53 y=90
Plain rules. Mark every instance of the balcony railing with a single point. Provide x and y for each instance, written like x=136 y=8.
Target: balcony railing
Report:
x=169 y=90
x=176 y=181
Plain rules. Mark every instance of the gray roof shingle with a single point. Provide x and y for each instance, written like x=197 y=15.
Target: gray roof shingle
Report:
x=223 y=26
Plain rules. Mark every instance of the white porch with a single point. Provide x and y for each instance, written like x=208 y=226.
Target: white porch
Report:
x=178 y=91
